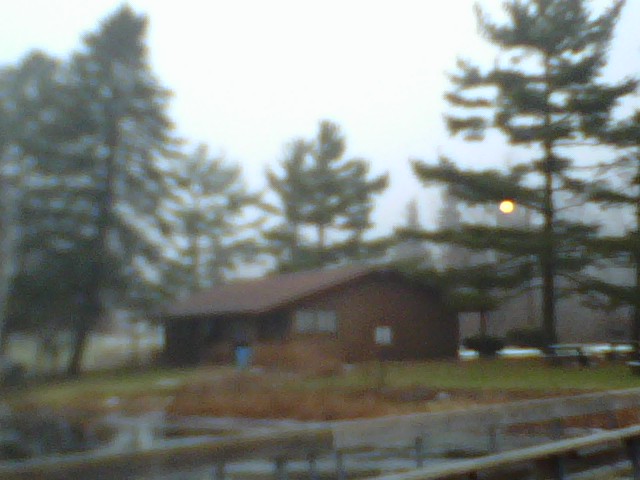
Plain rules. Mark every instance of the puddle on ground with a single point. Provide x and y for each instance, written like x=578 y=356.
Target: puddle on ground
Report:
x=36 y=434
x=41 y=433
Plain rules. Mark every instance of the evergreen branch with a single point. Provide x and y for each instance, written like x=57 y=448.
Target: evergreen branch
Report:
x=473 y=126
x=578 y=144
x=460 y=101
x=476 y=188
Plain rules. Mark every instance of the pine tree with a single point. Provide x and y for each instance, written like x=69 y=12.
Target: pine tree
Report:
x=411 y=254
x=127 y=129
x=548 y=97
x=208 y=204
x=10 y=192
x=618 y=187
x=35 y=154
x=453 y=256
x=326 y=203
x=285 y=241
x=475 y=278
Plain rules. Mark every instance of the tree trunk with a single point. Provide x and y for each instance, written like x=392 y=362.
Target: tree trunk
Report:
x=44 y=359
x=91 y=301
x=548 y=266
x=635 y=334
x=548 y=248
x=321 y=244
x=483 y=323
x=196 y=272
x=294 y=255
x=79 y=345
x=4 y=342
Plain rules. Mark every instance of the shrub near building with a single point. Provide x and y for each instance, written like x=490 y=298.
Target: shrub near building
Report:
x=485 y=345
x=527 y=338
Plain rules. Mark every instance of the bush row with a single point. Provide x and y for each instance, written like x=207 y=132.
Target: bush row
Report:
x=490 y=345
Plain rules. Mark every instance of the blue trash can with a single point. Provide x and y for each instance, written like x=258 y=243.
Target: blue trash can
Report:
x=243 y=356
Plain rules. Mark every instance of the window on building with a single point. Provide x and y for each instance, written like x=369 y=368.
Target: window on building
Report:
x=305 y=321
x=327 y=321
x=316 y=321
x=383 y=335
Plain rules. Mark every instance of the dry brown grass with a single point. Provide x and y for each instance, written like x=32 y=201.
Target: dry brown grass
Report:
x=266 y=396
x=276 y=396
x=274 y=404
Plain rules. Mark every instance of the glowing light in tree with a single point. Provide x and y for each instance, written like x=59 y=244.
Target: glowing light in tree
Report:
x=507 y=206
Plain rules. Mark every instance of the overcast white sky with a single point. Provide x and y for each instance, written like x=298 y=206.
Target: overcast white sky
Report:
x=249 y=76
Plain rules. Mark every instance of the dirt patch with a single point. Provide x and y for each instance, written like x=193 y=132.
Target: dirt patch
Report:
x=274 y=397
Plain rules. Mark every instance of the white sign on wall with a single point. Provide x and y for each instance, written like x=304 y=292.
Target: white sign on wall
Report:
x=383 y=335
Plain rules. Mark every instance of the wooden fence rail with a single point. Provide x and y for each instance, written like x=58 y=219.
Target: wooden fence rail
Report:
x=174 y=456
x=550 y=458
x=484 y=421
x=425 y=434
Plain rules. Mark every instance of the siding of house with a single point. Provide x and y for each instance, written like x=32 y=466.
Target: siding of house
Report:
x=421 y=327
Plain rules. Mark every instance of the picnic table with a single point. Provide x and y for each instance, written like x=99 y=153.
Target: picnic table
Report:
x=568 y=354
x=634 y=362
x=634 y=366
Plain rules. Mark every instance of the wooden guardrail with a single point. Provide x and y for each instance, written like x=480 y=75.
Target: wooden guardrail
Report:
x=484 y=421
x=424 y=434
x=175 y=455
x=550 y=458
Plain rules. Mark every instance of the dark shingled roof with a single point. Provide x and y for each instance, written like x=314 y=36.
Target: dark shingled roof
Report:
x=265 y=294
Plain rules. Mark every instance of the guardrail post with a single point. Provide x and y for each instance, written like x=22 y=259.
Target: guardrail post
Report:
x=219 y=473
x=633 y=449
x=313 y=466
x=613 y=420
x=340 y=473
x=559 y=468
x=281 y=468
x=552 y=467
x=419 y=448
x=557 y=429
x=612 y=414
x=494 y=440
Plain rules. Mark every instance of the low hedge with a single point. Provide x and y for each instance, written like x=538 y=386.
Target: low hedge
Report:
x=485 y=345
x=527 y=338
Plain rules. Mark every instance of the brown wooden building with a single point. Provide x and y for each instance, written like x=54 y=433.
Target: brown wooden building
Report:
x=350 y=314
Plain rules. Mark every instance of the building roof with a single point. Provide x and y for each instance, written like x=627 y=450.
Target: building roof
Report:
x=266 y=293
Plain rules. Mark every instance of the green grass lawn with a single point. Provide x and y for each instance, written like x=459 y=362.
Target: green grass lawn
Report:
x=97 y=387
x=481 y=375
x=498 y=374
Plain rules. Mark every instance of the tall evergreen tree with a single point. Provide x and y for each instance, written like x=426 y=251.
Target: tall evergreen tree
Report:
x=475 y=277
x=618 y=186
x=285 y=240
x=453 y=256
x=546 y=95
x=325 y=200
x=209 y=204
x=36 y=153
x=126 y=129
x=10 y=191
x=411 y=253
